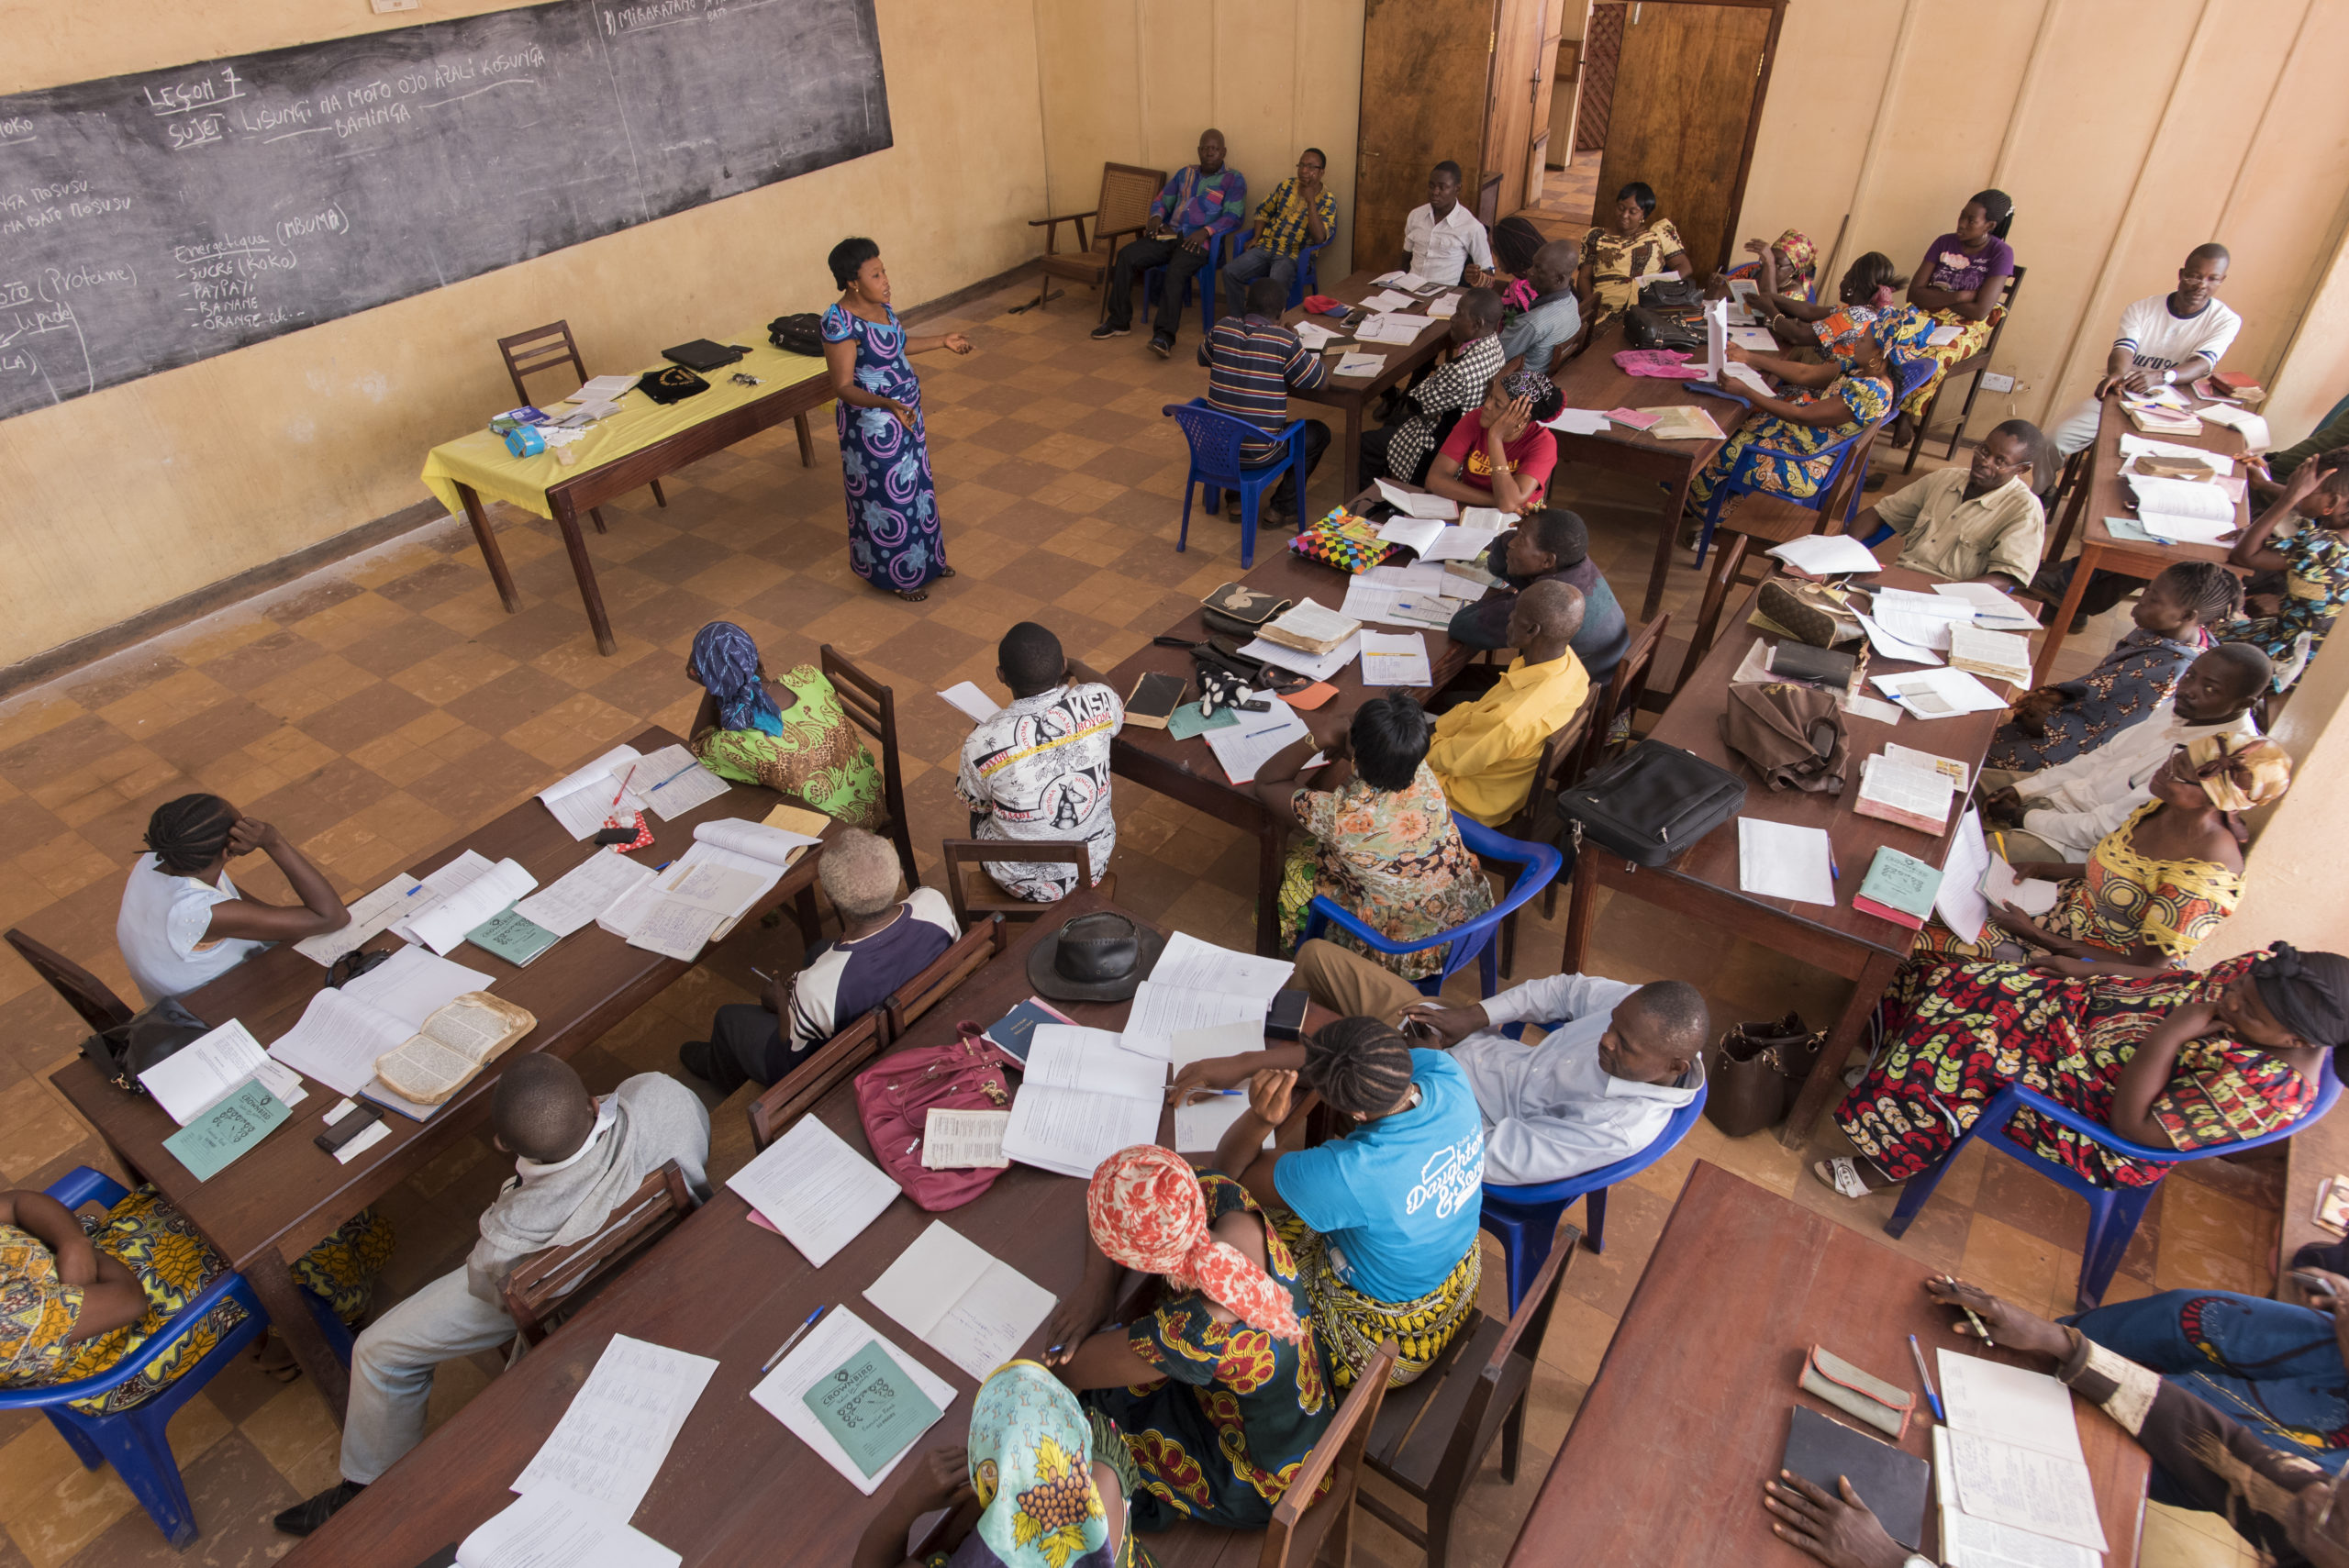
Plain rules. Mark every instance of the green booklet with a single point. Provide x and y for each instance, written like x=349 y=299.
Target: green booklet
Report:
x=1899 y=887
x=1188 y=721
x=241 y=1119
x=872 y=1408
x=514 y=938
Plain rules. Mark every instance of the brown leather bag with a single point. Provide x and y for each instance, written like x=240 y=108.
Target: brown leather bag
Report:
x=1755 y=1072
x=1793 y=736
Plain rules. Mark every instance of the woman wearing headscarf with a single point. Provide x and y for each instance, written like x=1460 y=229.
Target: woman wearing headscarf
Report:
x=1788 y=265
x=1051 y=1480
x=1771 y=453
x=184 y=923
x=1960 y=285
x=1632 y=245
x=1219 y=1391
x=894 y=541
x=2154 y=887
x=791 y=734
x=2180 y=1059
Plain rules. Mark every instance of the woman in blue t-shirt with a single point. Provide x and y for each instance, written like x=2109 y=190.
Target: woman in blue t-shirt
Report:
x=1382 y=1220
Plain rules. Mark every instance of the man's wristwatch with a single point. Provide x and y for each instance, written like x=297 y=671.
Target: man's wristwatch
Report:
x=2169 y=378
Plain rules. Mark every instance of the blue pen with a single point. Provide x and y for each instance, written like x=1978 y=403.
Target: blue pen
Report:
x=1834 y=868
x=673 y=778
x=1932 y=1397
x=664 y=865
x=796 y=1333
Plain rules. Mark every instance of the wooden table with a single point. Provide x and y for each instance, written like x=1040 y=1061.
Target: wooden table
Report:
x=1702 y=884
x=1186 y=770
x=2101 y=493
x=1593 y=380
x=738 y=1487
x=1351 y=394
x=286 y=1194
x=1688 y=1417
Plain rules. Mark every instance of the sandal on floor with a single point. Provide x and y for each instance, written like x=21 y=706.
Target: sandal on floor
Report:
x=1842 y=1174
x=911 y=596
x=946 y=572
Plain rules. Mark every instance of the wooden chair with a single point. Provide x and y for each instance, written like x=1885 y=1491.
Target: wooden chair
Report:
x=830 y=1065
x=1974 y=364
x=1550 y=774
x=1123 y=211
x=872 y=707
x=84 y=992
x=559 y=1280
x=978 y=947
x=974 y=892
x=1431 y=1436
x=542 y=348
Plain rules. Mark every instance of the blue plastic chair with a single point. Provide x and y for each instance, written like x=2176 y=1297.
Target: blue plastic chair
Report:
x=1215 y=437
x=1908 y=373
x=1474 y=940
x=2113 y=1212
x=1525 y=1219
x=133 y=1441
x=1218 y=252
x=1307 y=279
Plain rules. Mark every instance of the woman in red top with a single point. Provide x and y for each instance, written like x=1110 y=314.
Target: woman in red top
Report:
x=1502 y=455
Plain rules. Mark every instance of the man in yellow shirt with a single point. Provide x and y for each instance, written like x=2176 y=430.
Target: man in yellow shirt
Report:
x=1484 y=752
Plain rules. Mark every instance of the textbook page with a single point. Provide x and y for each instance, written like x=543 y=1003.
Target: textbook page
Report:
x=202 y=1074
x=573 y=900
x=839 y=1335
x=815 y=1189
x=963 y=1302
x=1068 y=1056
x=374 y=912
x=551 y=1526
x=612 y=1441
x=581 y=800
x=413 y=985
x=762 y=841
x=339 y=1040
x=482 y=898
x=1188 y=961
x=672 y=781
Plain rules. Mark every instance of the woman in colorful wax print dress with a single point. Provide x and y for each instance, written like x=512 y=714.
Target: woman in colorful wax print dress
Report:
x=894 y=541
x=1835 y=400
x=788 y=733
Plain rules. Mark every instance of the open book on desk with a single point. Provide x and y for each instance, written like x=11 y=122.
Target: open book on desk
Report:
x=581 y=800
x=1198 y=985
x=965 y=1303
x=343 y=1032
x=482 y=898
x=2014 y=1451
x=733 y=864
x=418 y=1075
x=208 y=1069
x=1082 y=1099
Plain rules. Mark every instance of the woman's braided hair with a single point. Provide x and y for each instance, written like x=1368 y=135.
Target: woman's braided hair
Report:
x=188 y=834
x=2209 y=589
x=1360 y=1066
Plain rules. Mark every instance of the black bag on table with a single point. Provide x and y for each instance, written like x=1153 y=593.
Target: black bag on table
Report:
x=130 y=1049
x=1652 y=803
x=1646 y=329
x=672 y=386
x=800 y=334
x=1672 y=294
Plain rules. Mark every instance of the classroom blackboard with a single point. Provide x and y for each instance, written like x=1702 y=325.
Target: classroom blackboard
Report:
x=152 y=220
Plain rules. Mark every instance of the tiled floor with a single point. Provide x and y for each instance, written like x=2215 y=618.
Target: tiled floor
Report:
x=1568 y=196
x=384 y=705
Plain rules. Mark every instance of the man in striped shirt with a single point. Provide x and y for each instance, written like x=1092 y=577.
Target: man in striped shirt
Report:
x=1252 y=362
x=1299 y=213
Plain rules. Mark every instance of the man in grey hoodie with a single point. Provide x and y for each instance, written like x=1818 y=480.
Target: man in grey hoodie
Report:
x=575 y=1159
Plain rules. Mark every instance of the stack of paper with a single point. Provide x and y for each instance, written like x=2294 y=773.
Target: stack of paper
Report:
x=1416 y=503
x=1579 y=422
x=2012 y=1450
x=1082 y=1099
x=1779 y=860
x=1250 y=744
x=480 y=900
x=2253 y=426
x=828 y=1347
x=1393 y=661
x=1367 y=601
x=581 y=800
x=678 y=782
x=1826 y=555
x=1316 y=336
x=574 y=900
x=1895 y=792
x=553 y=1524
x=1467 y=543
x=603 y=389
x=817 y=1192
x=1197 y=986
x=1900 y=648
x=1360 y=364
x=1992 y=610
x=960 y=1300
x=1315 y=667
x=1310 y=628
x=618 y=1429
x=1922 y=620
x=1444 y=309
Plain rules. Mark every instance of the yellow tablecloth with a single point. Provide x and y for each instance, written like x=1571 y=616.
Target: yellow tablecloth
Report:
x=481 y=460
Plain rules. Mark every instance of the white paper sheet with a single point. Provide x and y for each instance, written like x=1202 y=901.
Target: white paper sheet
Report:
x=1409 y=282
x=1959 y=902
x=2011 y=1404
x=200 y=1075
x=1315 y=336
x=840 y=1335
x=776 y=848
x=1187 y=960
x=1938 y=694
x=439 y=886
x=1070 y=1056
x=573 y=900
x=1900 y=648
x=339 y=1040
x=963 y=1301
x=1419 y=577
x=1317 y=667
x=1826 y=555
x=2028 y=894
x=482 y=898
x=1930 y=607
x=1580 y=422
x=1071 y=1131
x=1417 y=502
x=1159 y=1012
x=1396 y=660
x=2253 y=426
x=1993 y=611
x=1368 y=601
x=1416 y=533
x=971 y=701
x=1745 y=381
x=1873 y=709
x=581 y=800
x=1387 y=299
x=1778 y=859
x=1391 y=326
x=370 y=915
x=2134 y=445
x=1444 y=309
x=963 y=1140
x=553 y=1527
x=2185 y=530
x=616 y=1434
x=1198 y=1128
x=815 y=1189
x=2027 y=1489
x=1355 y=364
x=672 y=781
x=1467 y=543
x=1244 y=747
x=413 y=985
x=1756 y=339
x=2186 y=499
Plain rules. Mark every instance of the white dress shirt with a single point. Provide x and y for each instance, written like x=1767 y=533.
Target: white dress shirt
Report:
x=2075 y=804
x=1550 y=1110
x=1440 y=248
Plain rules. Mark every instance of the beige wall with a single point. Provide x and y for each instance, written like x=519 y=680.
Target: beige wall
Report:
x=2293 y=889
x=2128 y=131
x=1136 y=81
x=134 y=495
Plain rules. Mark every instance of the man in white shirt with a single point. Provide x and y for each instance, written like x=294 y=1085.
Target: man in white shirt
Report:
x=1443 y=242
x=2165 y=339
x=1617 y=1061
x=2070 y=807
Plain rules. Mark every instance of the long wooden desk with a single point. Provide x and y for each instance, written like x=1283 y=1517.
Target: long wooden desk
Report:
x=1351 y=396
x=738 y=1488
x=284 y=1194
x=1186 y=770
x=1593 y=380
x=1702 y=884
x=2101 y=493
x=1688 y=1417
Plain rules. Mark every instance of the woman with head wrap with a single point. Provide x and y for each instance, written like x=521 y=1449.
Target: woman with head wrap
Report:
x=1220 y=1390
x=791 y=734
x=1501 y=455
x=183 y=921
x=2154 y=887
x=1829 y=402
x=2176 y=1060
x=1787 y=266
x=1051 y=1480
x=1382 y=1220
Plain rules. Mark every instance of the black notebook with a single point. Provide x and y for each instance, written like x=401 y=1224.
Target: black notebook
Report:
x=1893 y=1483
x=701 y=354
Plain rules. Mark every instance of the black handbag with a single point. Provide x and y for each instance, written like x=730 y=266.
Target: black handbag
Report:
x=672 y=386
x=130 y=1049
x=1652 y=803
x=800 y=334
x=1646 y=329
x=1672 y=294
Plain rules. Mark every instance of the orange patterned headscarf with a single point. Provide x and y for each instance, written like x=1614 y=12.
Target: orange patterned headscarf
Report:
x=1799 y=253
x=1147 y=1213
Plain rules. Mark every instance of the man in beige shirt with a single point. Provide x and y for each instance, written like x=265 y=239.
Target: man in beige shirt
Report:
x=1975 y=524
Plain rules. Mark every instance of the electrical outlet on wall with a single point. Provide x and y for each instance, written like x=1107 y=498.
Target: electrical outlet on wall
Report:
x=1993 y=381
x=384 y=8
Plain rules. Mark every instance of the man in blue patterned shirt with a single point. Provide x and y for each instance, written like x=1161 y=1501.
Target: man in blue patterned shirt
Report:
x=1200 y=206
x=1299 y=213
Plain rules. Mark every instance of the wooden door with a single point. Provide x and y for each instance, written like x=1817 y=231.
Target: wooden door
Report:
x=1688 y=87
x=1521 y=84
x=1426 y=74
x=1602 y=43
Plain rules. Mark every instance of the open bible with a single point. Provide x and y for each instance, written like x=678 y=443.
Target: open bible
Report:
x=455 y=1042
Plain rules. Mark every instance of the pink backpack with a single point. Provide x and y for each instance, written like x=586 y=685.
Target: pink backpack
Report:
x=896 y=1094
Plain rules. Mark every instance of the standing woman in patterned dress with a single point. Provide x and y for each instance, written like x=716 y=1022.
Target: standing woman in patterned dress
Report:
x=893 y=537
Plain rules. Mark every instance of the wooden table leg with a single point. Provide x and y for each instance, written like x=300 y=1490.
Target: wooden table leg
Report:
x=1580 y=901
x=289 y=1314
x=584 y=569
x=2061 y=627
x=486 y=537
x=1350 y=457
x=807 y=441
x=1668 y=535
x=1826 y=1080
x=1272 y=856
x=2082 y=483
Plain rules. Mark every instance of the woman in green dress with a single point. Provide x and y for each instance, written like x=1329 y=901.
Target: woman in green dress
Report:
x=791 y=735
